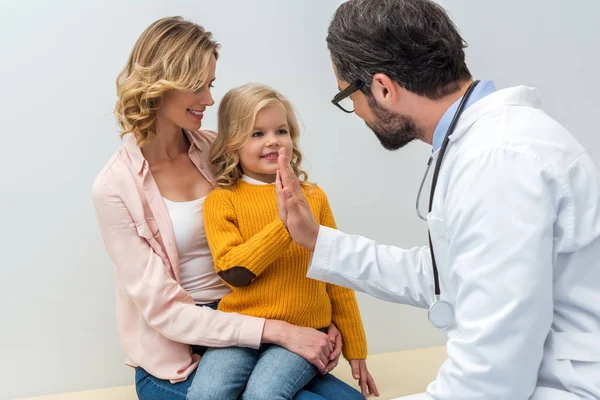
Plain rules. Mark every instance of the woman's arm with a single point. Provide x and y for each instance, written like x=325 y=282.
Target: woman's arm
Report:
x=163 y=303
x=237 y=261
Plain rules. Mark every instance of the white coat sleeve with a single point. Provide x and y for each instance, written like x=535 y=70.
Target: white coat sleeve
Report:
x=386 y=272
x=500 y=212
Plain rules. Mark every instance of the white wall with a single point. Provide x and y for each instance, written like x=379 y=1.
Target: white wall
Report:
x=553 y=45
x=58 y=64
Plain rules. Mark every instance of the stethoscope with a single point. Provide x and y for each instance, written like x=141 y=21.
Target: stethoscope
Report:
x=441 y=312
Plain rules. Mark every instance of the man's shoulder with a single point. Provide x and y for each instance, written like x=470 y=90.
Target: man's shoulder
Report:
x=527 y=131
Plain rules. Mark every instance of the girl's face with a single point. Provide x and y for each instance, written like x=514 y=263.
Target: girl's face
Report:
x=271 y=132
x=185 y=110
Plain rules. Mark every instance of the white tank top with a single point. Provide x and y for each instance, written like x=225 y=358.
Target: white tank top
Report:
x=197 y=270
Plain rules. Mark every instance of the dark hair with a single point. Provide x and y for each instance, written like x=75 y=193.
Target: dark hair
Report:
x=414 y=42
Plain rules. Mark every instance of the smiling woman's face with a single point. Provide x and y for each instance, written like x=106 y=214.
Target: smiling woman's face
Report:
x=185 y=110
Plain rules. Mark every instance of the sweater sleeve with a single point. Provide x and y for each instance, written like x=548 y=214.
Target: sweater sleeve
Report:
x=346 y=314
x=234 y=257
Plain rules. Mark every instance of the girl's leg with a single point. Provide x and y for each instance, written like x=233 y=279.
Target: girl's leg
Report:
x=278 y=375
x=331 y=388
x=222 y=374
x=149 y=387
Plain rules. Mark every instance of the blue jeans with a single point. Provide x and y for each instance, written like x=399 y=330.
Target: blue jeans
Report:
x=271 y=372
x=322 y=387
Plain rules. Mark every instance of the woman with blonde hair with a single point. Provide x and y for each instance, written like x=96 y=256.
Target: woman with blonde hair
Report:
x=148 y=201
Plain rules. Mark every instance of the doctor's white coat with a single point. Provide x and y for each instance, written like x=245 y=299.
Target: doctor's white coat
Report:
x=515 y=226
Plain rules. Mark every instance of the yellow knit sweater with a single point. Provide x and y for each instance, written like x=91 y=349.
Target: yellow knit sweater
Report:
x=243 y=230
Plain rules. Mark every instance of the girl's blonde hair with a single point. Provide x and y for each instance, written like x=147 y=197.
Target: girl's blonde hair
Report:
x=171 y=54
x=237 y=114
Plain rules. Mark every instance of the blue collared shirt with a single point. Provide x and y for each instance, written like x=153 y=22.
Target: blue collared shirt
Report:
x=482 y=89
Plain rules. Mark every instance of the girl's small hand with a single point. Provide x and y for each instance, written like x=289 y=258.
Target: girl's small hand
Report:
x=365 y=380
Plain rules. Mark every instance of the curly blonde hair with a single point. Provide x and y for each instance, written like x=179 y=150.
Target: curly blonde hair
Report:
x=237 y=113
x=171 y=54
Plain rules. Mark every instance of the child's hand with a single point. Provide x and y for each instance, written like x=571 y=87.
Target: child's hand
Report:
x=335 y=337
x=365 y=380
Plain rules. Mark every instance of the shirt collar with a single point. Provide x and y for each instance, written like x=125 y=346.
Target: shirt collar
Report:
x=253 y=181
x=482 y=89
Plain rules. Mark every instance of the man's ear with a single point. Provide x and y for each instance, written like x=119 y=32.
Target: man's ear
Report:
x=384 y=90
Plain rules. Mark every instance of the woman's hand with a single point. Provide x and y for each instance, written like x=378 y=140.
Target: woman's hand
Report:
x=335 y=337
x=365 y=380
x=308 y=343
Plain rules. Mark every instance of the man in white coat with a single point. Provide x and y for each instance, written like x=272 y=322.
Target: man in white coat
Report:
x=514 y=222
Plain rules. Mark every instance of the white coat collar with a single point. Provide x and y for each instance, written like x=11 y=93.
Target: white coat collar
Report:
x=514 y=96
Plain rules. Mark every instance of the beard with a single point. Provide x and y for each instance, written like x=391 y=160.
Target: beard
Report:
x=394 y=131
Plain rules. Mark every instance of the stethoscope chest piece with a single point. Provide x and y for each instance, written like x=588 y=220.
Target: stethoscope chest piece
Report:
x=441 y=314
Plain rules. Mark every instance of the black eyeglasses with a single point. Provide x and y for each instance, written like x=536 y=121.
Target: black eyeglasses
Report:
x=342 y=99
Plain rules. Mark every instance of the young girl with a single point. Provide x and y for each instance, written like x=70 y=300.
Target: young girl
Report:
x=254 y=254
